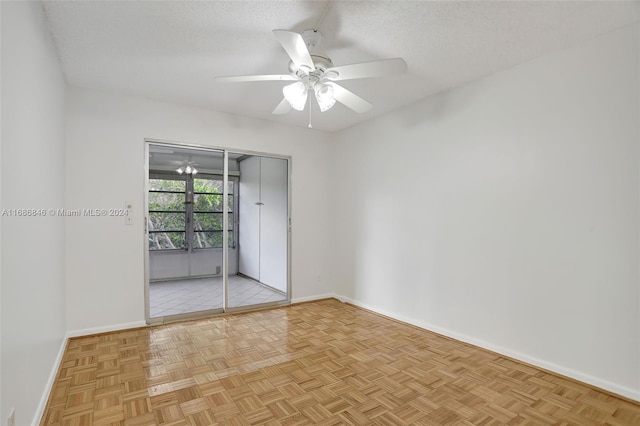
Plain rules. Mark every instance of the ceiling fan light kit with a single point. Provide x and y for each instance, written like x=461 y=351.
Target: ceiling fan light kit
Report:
x=316 y=73
x=296 y=95
x=324 y=96
x=187 y=168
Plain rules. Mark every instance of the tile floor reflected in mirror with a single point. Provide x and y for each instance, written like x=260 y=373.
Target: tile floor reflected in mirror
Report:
x=200 y=294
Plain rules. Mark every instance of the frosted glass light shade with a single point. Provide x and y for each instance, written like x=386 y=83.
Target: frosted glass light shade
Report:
x=296 y=95
x=187 y=168
x=324 y=96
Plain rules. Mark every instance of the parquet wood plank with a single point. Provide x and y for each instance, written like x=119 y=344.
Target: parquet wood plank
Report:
x=324 y=363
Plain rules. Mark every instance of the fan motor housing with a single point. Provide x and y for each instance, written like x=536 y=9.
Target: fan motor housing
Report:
x=322 y=63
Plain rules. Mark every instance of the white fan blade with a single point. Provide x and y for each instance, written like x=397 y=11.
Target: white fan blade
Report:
x=245 y=78
x=294 y=45
x=380 y=68
x=282 y=108
x=349 y=99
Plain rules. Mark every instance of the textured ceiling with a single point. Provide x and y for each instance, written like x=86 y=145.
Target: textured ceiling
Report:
x=170 y=51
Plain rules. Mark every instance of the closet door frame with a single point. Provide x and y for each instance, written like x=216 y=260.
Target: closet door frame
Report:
x=225 y=267
x=286 y=301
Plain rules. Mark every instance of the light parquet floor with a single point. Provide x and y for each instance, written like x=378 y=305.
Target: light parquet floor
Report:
x=324 y=363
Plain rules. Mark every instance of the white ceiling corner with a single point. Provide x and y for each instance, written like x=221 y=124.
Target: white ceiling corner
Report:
x=171 y=50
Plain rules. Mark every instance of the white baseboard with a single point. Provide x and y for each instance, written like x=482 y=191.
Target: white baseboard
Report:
x=312 y=298
x=577 y=375
x=37 y=418
x=105 y=329
x=42 y=405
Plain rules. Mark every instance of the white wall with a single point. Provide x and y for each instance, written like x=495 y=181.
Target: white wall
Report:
x=33 y=321
x=505 y=213
x=165 y=265
x=105 y=157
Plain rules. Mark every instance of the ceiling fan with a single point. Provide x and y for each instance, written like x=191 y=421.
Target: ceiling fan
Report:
x=316 y=73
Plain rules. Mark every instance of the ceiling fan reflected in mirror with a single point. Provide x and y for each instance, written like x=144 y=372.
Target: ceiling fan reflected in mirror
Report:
x=316 y=74
x=188 y=168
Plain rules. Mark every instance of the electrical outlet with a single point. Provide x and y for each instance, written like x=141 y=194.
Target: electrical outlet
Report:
x=11 y=420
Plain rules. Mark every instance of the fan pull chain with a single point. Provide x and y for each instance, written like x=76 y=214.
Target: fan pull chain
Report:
x=310 y=126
